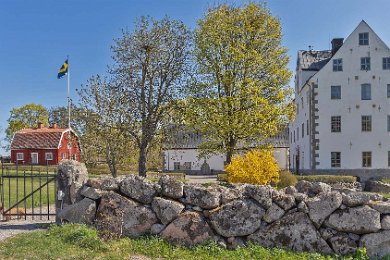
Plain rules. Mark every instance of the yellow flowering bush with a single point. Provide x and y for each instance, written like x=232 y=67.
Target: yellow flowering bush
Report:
x=256 y=167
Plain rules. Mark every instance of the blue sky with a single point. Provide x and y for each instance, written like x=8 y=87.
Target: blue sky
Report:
x=36 y=36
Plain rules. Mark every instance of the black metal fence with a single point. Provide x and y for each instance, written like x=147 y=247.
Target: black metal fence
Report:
x=27 y=191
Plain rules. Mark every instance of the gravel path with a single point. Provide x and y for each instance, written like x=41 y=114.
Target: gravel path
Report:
x=13 y=227
x=16 y=226
x=201 y=179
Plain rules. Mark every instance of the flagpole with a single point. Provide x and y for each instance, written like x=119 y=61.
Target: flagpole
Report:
x=69 y=137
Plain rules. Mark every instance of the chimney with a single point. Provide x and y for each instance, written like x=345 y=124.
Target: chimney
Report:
x=54 y=125
x=40 y=125
x=336 y=44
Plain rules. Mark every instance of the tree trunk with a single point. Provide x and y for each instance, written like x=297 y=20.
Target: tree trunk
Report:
x=111 y=162
x=230 y=150
x=142 y=162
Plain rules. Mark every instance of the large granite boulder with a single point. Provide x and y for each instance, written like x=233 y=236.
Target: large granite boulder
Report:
x=206 y=198
x=321 y=206
x=353 y=199
x=285 y=201
x=82 y=212
x=236 y=218
x=91 y=193
x=385 y=222
x=312 y=188
x=106 y=183
x=118 y=216
x=139 y=189
x=230 y=194
x=262 y=194
x=273 y=213
x=189 y=229
x=343 y=244
x=377 y=244
x=171 y=188
x=166 y=210
x=382 y=206
x=292 y=232
x=359 y=220
x=72 y=175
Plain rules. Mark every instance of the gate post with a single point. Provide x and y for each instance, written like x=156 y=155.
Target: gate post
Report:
x=71 y=176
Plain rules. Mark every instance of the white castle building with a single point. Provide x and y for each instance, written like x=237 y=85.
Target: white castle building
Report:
x=181 y=153
x=342 y=99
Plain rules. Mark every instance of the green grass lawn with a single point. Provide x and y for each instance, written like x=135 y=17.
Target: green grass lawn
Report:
x=80 y=242
x=14 y=189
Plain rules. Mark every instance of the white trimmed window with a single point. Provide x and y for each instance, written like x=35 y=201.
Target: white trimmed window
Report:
x=49 y=156
x=363 y=38
x=365 y=63
x=20 y=156
x=63 y=156
x=366 y=123
x=337 y=64
x=366 y=91
x=335 y=158
x=366 y=159
x=335 y=125
x=386 y=63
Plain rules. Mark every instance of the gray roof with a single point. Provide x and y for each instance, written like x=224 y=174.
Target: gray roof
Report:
x=313 y=60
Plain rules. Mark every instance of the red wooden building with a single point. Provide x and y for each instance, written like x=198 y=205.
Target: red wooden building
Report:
x=44 y=145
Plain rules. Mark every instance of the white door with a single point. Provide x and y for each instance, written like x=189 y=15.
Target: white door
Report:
x=34 y=158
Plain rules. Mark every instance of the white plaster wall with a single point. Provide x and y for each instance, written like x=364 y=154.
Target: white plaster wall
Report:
x=351 y=142
x=216 y=162
x=301 y=143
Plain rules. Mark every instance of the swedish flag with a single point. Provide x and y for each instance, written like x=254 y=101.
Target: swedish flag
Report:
x=63 y=70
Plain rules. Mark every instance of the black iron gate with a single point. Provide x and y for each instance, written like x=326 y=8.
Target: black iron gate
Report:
x=27 y=191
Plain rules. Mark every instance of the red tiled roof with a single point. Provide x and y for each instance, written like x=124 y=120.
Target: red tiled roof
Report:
x=37 y=138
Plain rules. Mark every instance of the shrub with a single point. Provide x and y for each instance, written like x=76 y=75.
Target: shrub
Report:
x=330 y=179
x=286 y=178
x=256 y=167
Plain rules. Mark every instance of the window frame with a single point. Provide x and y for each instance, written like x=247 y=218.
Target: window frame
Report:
x=365 y=63
x=335 y=159
x=176 y=165
x=365 y=95
x=363 y=40
x=62 y=156
x=388 y=123
x=337 y=65
x=334 y=95
x=366 y=159
x=386 y=63
x=335 y=124
x=18 y=158
x=46 y=156
x=366 y=122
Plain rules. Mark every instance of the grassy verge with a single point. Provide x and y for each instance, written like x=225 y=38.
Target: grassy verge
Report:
x=80 y=242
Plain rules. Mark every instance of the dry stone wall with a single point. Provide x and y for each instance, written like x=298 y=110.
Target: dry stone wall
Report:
x=309 y=217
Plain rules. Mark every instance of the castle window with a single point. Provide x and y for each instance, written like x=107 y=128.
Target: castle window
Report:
x=365 y=63
x=363 y=38
x=335 y=92
x=336 y=124
x=366 y=159
x=366 y=91
x=366 y=123
x=338 y=65
x=335 y=159
x=386 y=63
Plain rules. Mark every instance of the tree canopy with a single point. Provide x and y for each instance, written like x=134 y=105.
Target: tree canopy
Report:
x=150 y=63
x=26 y=116
x=239 y=95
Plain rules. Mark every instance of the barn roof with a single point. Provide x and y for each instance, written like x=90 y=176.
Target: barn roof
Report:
x=38 y=138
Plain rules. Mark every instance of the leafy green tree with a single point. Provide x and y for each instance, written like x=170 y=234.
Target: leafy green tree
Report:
x=150 y=64
x=239 y=97
x=102 y=122
x=26 y=116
